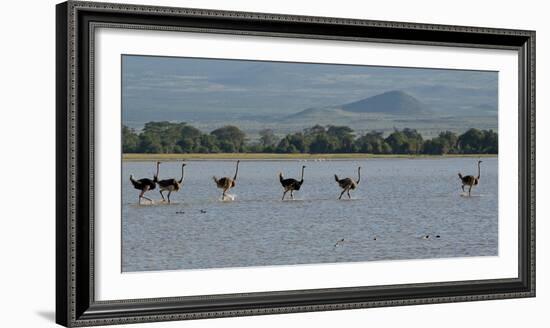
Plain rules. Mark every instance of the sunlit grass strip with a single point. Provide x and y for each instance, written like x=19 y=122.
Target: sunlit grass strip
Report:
x=275 y=156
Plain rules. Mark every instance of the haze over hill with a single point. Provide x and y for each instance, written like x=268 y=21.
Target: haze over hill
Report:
x=391 y=102
x=287 y=96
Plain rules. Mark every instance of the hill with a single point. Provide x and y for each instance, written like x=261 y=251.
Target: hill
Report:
x=392 y=102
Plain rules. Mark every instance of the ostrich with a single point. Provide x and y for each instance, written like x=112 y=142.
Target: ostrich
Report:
x=144 y=185
x=291 y=184
x=348 y=184
x=170 y=184
x=470 y=180
x=227 y=183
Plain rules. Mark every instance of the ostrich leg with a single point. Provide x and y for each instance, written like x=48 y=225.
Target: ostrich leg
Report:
x=463 y=188
x=291 y=194
x=349 y=196
x=169 y=192
x=284 y=193
x=223 y=194
x=139 y=197
x=342 y=193
x=469 y=191
x=142 y=196
x=161 y=194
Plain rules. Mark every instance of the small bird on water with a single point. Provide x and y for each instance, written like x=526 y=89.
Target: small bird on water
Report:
x=339 y=242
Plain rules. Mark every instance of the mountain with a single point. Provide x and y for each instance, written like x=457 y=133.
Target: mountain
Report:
x=392 y=102
x=387 y=104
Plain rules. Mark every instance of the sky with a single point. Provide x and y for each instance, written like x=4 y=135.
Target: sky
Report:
x=170 y=88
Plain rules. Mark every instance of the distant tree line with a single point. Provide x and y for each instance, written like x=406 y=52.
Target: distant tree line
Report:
x=167 y=137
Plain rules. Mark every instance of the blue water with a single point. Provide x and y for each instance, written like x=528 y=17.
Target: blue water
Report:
x=398 y=203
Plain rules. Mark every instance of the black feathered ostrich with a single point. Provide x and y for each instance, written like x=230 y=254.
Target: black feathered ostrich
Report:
x=470 y=180
x=144 y=185
x=170 y=184
x=348 y=184
x=227 y=183
x=291 y=184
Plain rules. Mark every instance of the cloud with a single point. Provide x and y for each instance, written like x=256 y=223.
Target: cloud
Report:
x=331 y=79
x=175 y=84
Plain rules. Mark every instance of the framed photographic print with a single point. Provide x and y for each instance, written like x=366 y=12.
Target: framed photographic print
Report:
x=214 y=163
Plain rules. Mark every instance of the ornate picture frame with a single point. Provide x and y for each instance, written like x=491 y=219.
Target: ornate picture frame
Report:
x=77 y=22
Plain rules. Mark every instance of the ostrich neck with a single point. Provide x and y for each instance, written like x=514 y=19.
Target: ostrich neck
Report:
x=182 y=168
x=236 y=170
x=358 y=175
x=158 y=168
x=302 y=179
x=478 y=170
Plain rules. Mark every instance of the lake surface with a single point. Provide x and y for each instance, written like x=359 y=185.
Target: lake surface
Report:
x=398 y=203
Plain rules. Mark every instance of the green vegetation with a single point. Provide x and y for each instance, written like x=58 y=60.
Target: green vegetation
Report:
x=181 y=138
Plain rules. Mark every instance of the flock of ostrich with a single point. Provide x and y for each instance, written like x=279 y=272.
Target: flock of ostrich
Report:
x=289 y=185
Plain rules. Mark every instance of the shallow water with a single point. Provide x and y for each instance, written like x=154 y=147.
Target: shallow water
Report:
x=398 y=203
